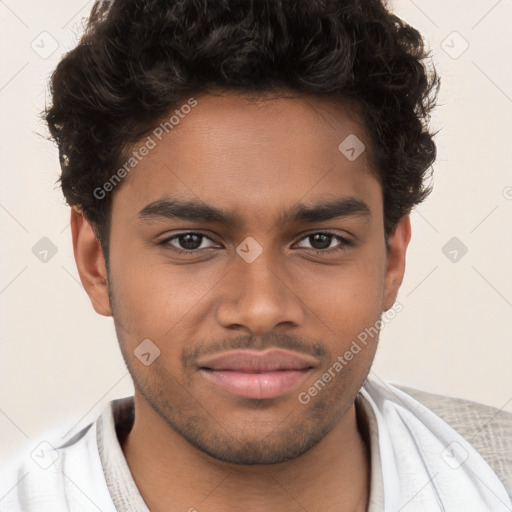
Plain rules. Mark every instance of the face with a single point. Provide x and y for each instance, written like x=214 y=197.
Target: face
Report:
x=284 y=248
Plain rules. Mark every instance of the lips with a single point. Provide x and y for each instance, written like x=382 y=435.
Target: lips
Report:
x=250 y=361
x=252 y=374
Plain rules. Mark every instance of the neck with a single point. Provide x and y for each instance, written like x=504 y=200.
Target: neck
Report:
x=332 y=476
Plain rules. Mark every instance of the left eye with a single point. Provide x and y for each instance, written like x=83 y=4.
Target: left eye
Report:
x=323 y=241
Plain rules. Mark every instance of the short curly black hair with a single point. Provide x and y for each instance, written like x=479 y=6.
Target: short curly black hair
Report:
x=137 y=59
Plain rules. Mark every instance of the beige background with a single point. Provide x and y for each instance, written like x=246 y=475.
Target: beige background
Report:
x=59 y=361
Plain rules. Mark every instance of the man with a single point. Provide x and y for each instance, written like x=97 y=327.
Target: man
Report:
x=241 y=175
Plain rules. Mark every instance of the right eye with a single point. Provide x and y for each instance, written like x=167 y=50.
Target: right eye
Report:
x=186 y=243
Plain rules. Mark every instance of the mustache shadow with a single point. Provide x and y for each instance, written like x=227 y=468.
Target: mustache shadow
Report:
x=283 y=341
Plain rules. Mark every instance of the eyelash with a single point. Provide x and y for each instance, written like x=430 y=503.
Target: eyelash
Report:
x=344 y=241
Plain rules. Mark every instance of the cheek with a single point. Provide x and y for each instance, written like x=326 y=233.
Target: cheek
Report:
x=156 y=299
x=349 y=305
x=348 y=296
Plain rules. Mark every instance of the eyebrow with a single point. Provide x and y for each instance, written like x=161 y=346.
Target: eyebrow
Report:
x=170 y=208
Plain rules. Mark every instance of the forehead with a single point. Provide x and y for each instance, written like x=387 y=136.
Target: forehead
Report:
x=253 y=154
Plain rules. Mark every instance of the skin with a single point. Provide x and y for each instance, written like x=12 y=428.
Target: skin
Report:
x=194 y=446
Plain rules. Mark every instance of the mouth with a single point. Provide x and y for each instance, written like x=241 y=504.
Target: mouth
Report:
x=256 y=384
x=257 y=374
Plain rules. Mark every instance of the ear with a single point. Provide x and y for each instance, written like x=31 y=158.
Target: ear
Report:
x=90 y=262
x=398 y=243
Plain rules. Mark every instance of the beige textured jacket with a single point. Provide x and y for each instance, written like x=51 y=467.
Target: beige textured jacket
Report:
x=486 y=428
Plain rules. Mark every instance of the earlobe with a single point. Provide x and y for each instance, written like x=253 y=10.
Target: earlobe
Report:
x=90 y=262
x=395 y=270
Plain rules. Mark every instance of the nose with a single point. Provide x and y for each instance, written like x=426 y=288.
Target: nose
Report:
x=259 y=296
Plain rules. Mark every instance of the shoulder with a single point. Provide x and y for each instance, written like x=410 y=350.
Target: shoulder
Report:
x=55 y=473
x=488 y=429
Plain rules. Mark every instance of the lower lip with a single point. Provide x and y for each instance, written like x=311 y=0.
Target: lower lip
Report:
x=256 y=385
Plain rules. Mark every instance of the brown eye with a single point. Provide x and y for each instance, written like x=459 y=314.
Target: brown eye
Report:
x=186 y=242
x=323 y=242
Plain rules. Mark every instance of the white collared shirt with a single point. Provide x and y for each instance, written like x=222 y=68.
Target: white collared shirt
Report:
x=411 y=468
